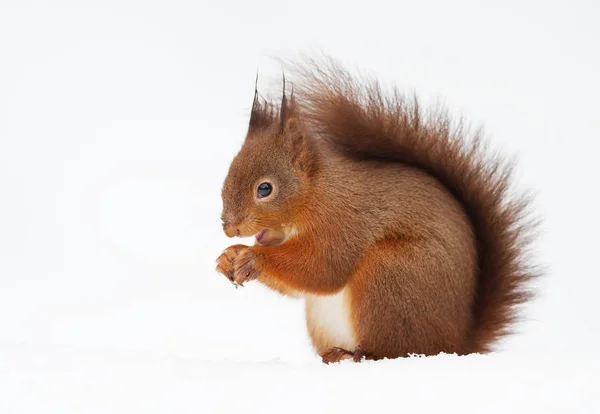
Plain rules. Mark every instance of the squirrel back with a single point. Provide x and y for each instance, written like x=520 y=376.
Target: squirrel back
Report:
x=363 y=122
x=442 y=264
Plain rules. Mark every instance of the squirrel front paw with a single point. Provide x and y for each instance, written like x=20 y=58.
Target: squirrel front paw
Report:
x=227 y=258
x=239 y=264
x=246 y=266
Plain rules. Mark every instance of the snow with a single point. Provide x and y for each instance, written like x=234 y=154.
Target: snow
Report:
x=75 y=380
x=118 y=121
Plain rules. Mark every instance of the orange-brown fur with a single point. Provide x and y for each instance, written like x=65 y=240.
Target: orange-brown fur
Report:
x=407 y=212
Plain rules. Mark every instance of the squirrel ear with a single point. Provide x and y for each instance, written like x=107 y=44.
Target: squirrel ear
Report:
x=304 y=156
x=291 y=125
x=261 y=115
x=286 y=107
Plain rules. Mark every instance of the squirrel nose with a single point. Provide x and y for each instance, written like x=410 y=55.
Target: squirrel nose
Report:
x=230 y=230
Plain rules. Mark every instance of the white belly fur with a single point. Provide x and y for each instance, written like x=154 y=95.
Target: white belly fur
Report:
x=328 y=321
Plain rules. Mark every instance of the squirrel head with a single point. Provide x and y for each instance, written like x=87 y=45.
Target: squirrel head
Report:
x=270 y=179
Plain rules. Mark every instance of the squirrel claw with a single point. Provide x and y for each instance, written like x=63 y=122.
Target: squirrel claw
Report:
x=226 y=263
x=246 y=267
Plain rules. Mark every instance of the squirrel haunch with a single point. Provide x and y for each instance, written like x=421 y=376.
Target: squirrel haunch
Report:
x=397 y=228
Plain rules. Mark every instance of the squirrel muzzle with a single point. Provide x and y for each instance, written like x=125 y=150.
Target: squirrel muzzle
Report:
x=231 y=230
x=265 y=236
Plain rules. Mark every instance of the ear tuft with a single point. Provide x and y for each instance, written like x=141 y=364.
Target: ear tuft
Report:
x=261 y=116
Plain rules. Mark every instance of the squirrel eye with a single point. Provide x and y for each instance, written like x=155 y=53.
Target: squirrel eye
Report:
x=264 y=190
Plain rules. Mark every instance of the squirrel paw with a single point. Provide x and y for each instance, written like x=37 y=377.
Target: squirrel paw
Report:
x=246 y=266
x=336 y=355
x=339 y=354
x=239 y=264
x=226 y=260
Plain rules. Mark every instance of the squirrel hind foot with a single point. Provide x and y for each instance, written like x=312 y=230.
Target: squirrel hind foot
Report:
x=339 y=354
x=336 y=355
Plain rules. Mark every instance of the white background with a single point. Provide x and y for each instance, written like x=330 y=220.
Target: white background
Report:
x=118 y=120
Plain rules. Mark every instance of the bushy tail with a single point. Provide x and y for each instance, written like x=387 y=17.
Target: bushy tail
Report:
x=361 y=120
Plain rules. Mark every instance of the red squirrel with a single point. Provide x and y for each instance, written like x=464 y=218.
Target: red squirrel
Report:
x=396 y=227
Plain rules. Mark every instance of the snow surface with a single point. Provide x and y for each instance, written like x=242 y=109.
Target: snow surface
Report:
x=47 y=379
x=118 y=120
